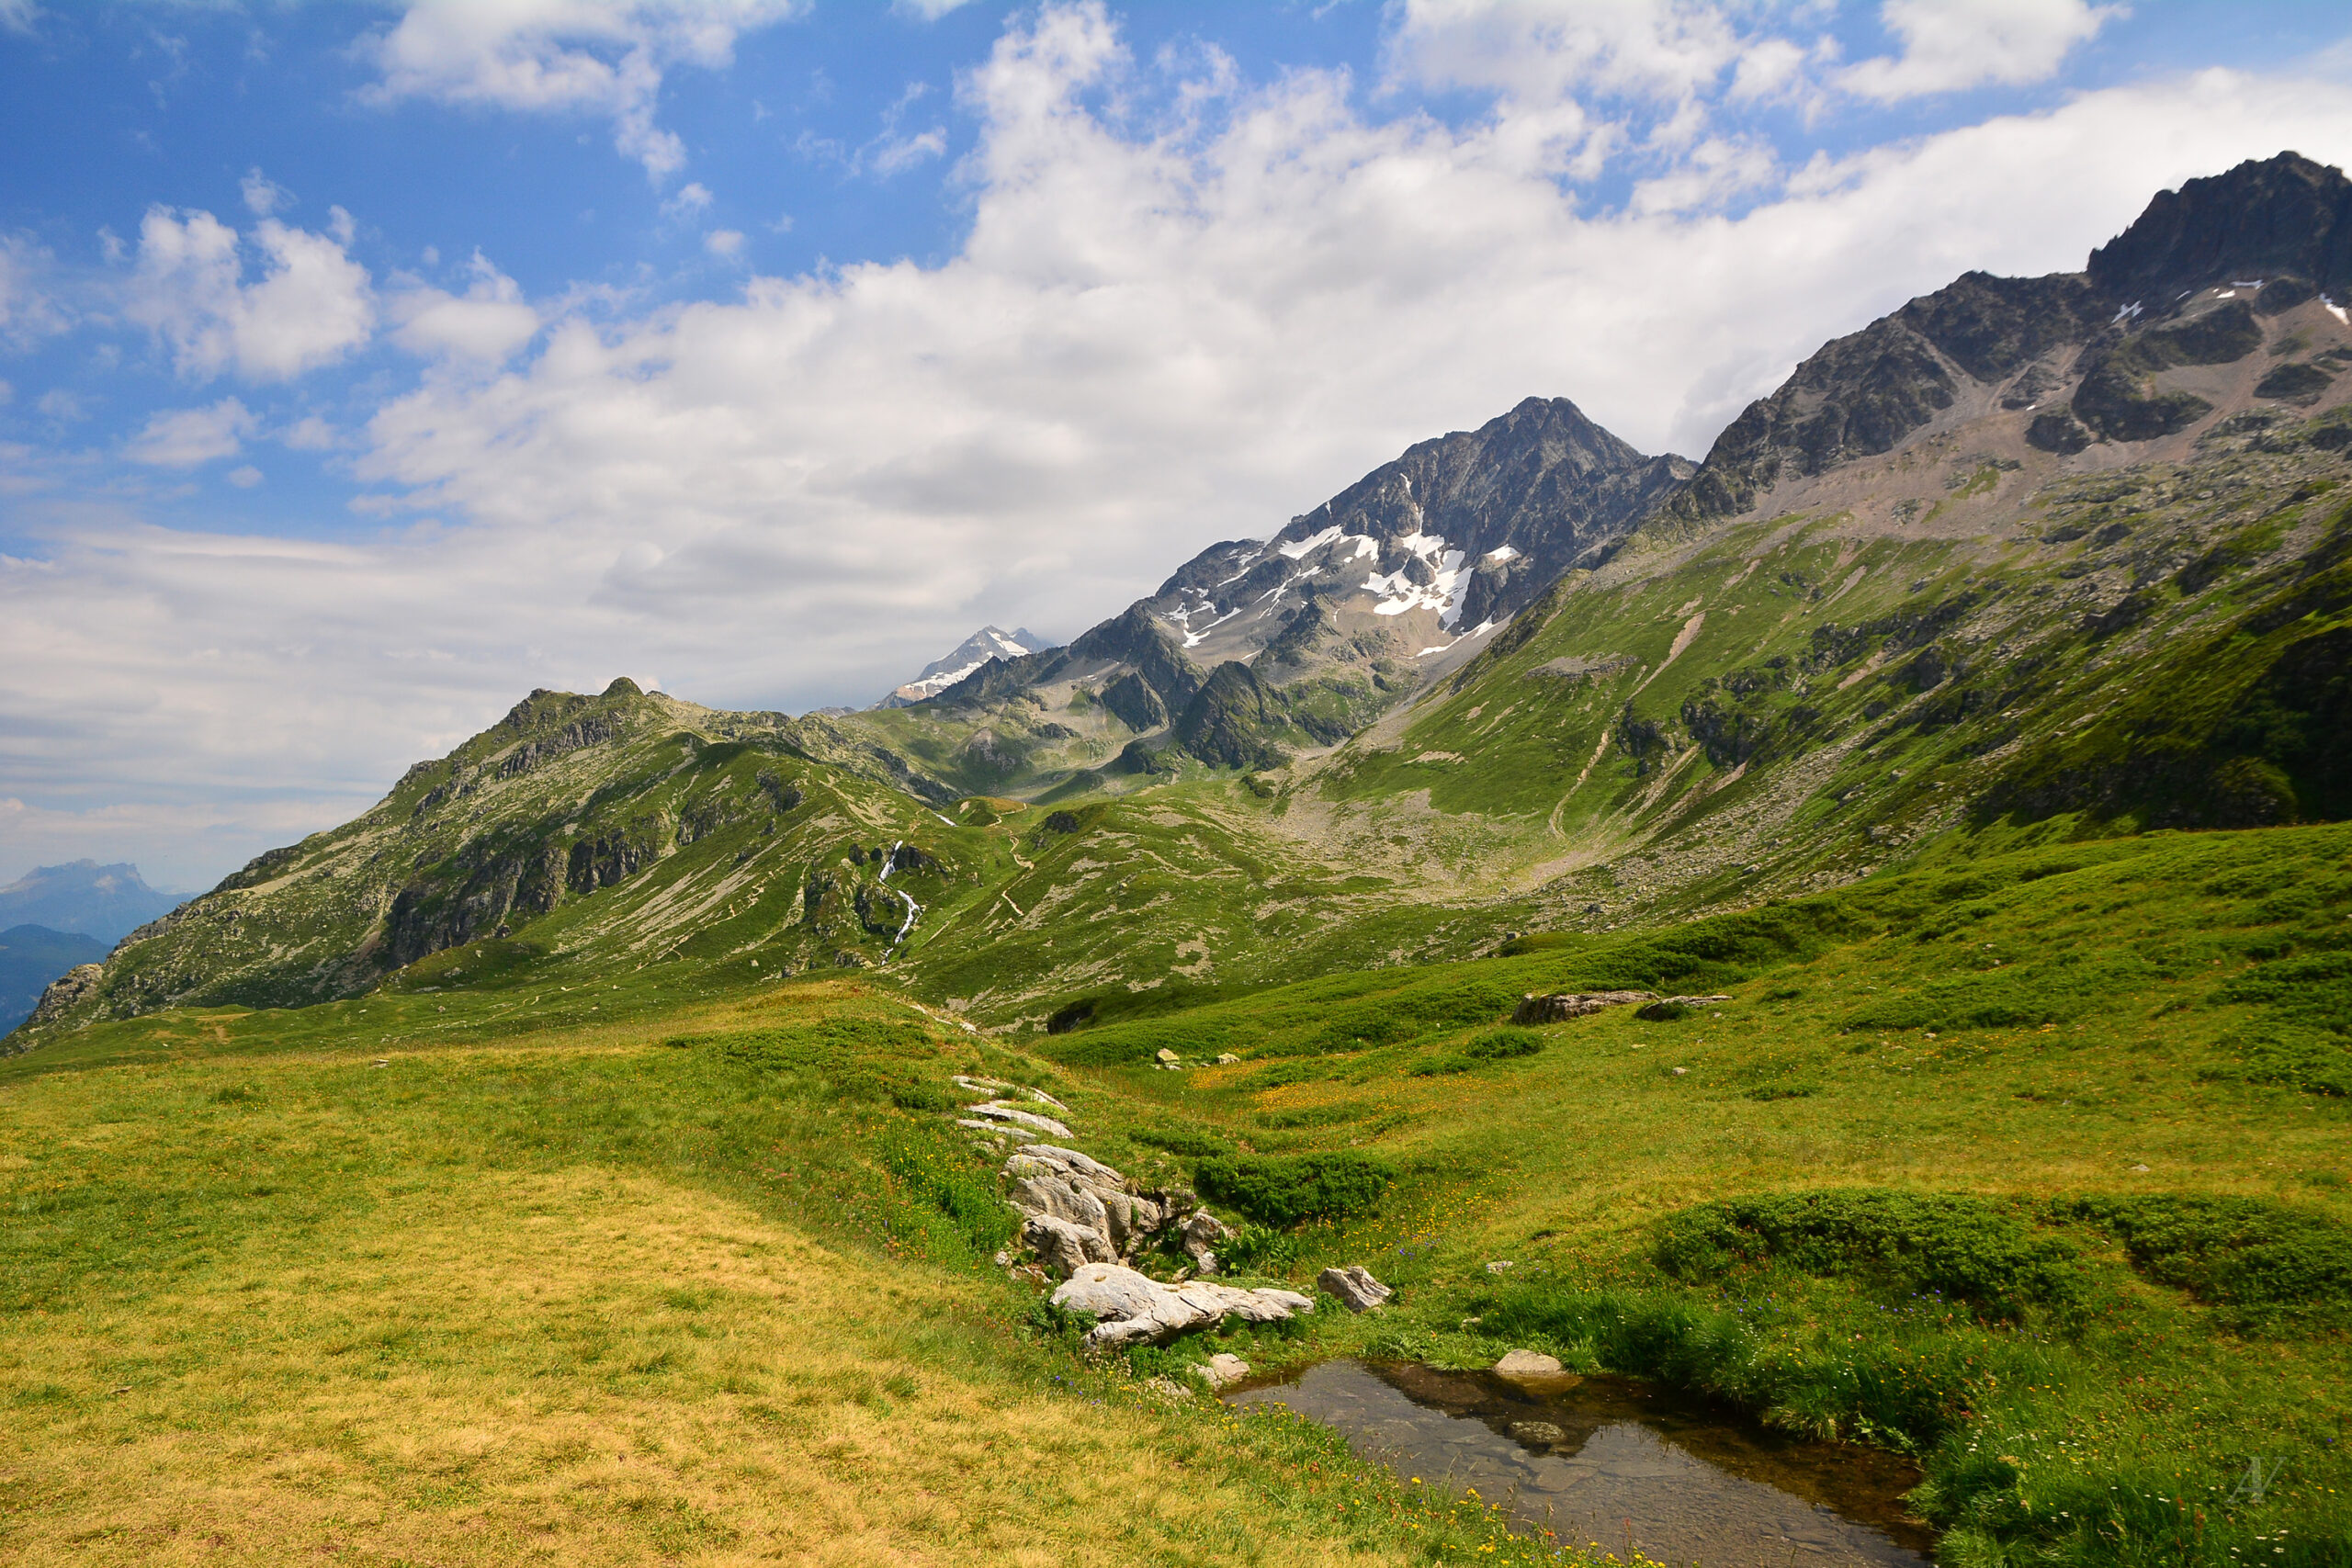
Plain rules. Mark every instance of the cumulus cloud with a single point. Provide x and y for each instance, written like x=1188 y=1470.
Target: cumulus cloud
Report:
x=1157 y=333
x=183 y=438
x=488 y=322
x=1952 y=44
x=598 y=57
x=312 y=305
x=724 y=242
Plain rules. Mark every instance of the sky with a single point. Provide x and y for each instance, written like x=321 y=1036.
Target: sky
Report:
x=364 y=367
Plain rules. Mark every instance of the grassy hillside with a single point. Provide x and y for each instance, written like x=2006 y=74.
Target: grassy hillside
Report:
x=2031 y=1167
x=1778 y=703
x=583 y=1296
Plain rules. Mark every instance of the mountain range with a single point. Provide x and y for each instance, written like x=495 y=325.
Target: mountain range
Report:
x=2026 y=557
x=106 y=902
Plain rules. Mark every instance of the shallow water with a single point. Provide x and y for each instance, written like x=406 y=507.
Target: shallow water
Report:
x=1616 y=1462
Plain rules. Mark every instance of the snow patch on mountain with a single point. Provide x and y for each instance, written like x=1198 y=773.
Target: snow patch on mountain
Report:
x=988 y=642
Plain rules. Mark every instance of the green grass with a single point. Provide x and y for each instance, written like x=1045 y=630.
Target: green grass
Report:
x=701 y=1287
x=1972 y=1165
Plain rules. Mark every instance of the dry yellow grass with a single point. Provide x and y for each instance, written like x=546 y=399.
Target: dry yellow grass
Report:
x=574 y=1367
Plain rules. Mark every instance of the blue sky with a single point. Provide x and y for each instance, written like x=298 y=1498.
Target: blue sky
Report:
x=365 y=367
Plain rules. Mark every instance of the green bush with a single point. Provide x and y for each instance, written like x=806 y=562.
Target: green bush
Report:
x=1501 y=1045
x=1960 y=1249
x=1664 y=1012
x=1286 y=1189
x=1257 y=1249
x=1189 y=1142
x=2267 y=1263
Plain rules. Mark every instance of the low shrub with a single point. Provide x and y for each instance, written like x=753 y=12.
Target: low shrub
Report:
x=1962 y=1248
x=1189 y=1142
x=1501 y=1045
x=2267 y=1264
x=1286 y=1189
x=1664 y=1012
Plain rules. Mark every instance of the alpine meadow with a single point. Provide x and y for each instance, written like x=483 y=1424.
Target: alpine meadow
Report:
x=1847 y=941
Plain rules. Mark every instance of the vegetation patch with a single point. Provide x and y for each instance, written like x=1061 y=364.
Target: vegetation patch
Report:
x=1954 y=1247
x=2270 y=1264
x=1288 y=1190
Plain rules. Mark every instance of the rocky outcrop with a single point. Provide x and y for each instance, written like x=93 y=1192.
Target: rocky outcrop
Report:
x=1355 y=1287
x=1534 y=1008
x=1132 y=1308
x=56 y=1000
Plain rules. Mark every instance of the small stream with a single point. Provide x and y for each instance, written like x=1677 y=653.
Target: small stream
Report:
x=1619 y=1463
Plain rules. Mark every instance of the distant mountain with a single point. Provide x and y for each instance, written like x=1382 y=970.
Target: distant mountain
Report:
x=988 y=642
x=1258 y=648
x=108 y=902
x=30 y=957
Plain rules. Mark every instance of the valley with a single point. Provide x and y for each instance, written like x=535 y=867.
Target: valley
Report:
x=1939 y=798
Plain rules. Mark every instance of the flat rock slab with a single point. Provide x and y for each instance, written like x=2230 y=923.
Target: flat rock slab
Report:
x=1133 y=1308
x=996 y=1111
x=1529 y=1364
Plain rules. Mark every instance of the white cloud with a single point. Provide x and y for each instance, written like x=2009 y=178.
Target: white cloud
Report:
x=927 y=10
x=244 y=477
x=30 y=309
x=264 y=196
x=183 y=438
x=312 y=305
x=727 y=242
x=1952 y=44
x=598 y=57
x=18 y=16
x=691 y=198
x=489 y=323
x=311 y=434
x=1154 y=336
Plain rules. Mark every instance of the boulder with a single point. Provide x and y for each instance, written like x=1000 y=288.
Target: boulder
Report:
x=1534 y=1008
x=1202 y=1232
x=1528 y=1364
x=1064 y=1248
x=1132 y=1308
x=1225 y=1369
x=1355 y=1287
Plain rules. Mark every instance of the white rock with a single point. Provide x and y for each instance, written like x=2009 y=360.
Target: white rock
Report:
x=1064 y=1248
x=1132 y=1308
x=1014 y=1114
x=1355 y=1287
x=1225 y=1368
x=1070 y=1159
x=1528 y=1364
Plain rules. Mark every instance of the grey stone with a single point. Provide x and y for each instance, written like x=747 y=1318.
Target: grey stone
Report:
x=1132 y=1308
x=1064 y=1248
x=1534 y=1008
x=1355 y=1287
x=1537 y=1432
x=1202 y=1231
x=1225 y=1369
x=997 y=1112
x=1528 y=1364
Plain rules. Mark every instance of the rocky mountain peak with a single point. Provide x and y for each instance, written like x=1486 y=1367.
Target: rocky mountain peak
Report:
x=2283 y=217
